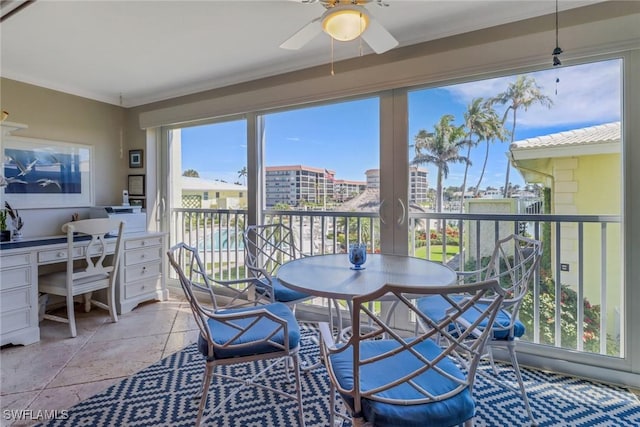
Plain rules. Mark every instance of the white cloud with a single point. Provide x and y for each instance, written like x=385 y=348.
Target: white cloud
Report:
x=586 y=93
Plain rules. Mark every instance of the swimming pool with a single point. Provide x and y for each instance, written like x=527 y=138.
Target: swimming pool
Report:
x=221 y=240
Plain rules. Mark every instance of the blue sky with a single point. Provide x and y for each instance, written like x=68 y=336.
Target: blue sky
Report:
x=344 y=137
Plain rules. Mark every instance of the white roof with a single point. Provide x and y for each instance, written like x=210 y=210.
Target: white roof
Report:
x=598 y=139
x=199 y=184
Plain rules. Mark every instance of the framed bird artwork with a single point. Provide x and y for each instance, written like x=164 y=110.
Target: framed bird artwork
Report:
x=45 y=173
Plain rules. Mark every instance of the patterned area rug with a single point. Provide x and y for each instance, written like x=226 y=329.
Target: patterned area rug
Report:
x=161 y=395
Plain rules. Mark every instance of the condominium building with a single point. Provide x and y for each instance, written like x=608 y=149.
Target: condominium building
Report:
x=298 y=184
x=418 y=183
x=344 y=190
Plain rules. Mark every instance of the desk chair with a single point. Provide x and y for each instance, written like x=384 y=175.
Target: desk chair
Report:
x=267 y=247
x=237 y=335
x=389 y=378
x=97 y=270
x=513 y=263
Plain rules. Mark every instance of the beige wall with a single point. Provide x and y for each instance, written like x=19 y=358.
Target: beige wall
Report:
x=57 y=116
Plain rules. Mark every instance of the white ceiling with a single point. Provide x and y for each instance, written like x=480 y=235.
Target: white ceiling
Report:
x=134 y=52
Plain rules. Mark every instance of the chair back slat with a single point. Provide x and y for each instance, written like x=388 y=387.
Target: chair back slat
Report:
x=193 y=279
x=231 y=334
x=94 y=261
x=514 y=262
x=267 y=247
x=405 y=353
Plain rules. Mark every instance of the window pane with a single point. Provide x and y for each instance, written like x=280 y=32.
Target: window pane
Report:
x=318 y=157
x=546 y=142
x=208 y=164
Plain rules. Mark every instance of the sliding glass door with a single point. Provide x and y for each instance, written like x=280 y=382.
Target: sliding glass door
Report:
x=436 y=172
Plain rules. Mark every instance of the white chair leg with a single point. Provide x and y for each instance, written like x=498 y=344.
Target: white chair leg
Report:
x=71 y=317
x=332 y=406
x=516 y=368
x=296 y=367
x=111 y=298
x=87 y=301
x=208 y=374
x=491 y=361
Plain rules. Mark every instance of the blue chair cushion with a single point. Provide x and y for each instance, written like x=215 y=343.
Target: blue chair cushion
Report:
x=452 y=411
x=222 y=333
x=436 y=306
x=281 y=292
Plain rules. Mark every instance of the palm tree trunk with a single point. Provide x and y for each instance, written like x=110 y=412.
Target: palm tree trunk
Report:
x=484 y=167
x=506 y=192
x=439 y=198
x=464 y=180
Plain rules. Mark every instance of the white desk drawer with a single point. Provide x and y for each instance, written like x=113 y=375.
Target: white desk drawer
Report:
x=14 y=278
x=142 y=255
x=140 y=287
x=15 y=260
x=143 y=243
x=57 y=255
x=142 y=271
x=15 y=320
x=16 y=299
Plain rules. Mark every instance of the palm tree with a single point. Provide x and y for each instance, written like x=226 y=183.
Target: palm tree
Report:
x=477 y=121
x=493 y=130
x=242 y=173
x=440 y=148
x=524 y=92
x=192 y=173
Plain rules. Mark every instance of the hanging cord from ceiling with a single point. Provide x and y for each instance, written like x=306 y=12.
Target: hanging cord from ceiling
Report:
x=558 y=50
x=360 y=46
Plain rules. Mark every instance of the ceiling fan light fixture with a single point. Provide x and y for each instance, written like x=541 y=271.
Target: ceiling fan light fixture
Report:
x=345 y=23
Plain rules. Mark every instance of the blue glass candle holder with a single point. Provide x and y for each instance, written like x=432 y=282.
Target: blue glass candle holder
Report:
x=357 y=255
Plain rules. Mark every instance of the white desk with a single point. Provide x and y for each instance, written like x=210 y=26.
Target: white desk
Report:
x=140 y=278
x=330 y=276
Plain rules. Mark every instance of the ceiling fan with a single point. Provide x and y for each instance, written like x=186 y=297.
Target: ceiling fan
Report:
x=344 y=20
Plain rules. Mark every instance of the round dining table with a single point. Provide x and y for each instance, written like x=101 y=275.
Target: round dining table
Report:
x=332 y=276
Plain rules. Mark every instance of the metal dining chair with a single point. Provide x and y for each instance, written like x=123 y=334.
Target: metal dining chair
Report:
x=92 y=271
x=267 y=247
x=513 y=263
x=386 y=377
x=230 y=336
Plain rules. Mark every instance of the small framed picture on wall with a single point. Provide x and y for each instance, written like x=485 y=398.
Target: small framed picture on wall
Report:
x=135 y=158
x=136 y=185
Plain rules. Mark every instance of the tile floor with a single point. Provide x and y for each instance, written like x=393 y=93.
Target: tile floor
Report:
x=58 y=372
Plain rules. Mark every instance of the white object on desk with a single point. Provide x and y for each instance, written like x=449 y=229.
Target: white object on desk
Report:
x=135 y=220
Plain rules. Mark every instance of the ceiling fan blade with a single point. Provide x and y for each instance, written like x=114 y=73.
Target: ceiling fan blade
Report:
x=378 y=37
x=303 y=35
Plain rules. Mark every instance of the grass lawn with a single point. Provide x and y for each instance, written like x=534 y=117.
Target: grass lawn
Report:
x=436 y=252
